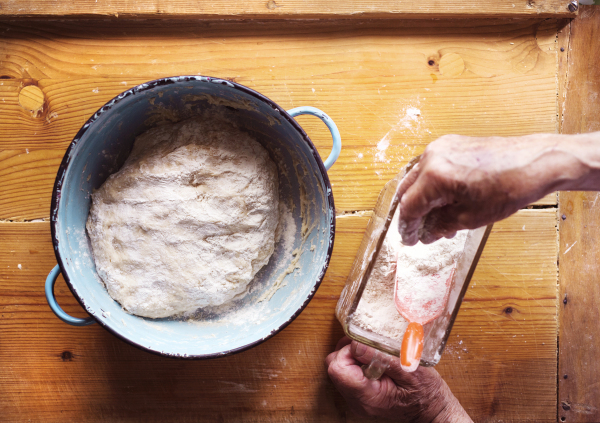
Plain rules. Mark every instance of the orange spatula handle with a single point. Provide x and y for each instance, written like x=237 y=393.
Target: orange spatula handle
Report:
x=412 y=347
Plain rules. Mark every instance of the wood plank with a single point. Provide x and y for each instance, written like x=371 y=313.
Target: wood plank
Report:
x=282 y=9
x=548 y=200
x=501 y=360
x=579 y=335
x=500 y=364
x=27 y=178
x=371 y=77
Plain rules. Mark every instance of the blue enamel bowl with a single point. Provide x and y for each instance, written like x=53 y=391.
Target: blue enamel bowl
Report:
x=279 y=292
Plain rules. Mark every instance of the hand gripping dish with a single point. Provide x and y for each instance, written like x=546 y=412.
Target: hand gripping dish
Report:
x=436 y=331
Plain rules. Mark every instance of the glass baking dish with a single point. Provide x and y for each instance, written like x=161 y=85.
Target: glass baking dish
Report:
x=437 y=331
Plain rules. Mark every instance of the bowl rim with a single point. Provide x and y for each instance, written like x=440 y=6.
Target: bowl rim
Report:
x=64 y=165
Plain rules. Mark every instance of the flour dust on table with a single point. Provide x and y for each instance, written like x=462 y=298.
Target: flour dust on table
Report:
x=189 y=219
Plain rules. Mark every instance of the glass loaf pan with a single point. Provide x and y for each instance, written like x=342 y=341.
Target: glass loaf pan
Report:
x=437 y=331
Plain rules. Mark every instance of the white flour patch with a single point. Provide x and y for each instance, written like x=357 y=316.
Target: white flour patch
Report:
x=421 y=281
x=376 y=311
x=409 y=121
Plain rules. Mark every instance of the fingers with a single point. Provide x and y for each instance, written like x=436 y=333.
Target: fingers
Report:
x=365 y=354
x=396 y=394
x=408 y=180
x=418 y=200
x=330 y=358
x=409 y=230
x=362 y=352
x=342 y=343
x=346 y=374
x=407 y=227
x=444 y=222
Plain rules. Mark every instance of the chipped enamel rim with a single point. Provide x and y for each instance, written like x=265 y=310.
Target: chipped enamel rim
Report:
x=62 y=170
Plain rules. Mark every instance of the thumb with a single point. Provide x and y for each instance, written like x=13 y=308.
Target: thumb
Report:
x=364 y=354
x=348 y=377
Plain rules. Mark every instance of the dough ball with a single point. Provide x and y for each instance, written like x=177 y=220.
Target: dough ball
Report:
x=188 y=220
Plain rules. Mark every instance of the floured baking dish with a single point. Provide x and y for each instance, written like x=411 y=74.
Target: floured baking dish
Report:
x=436 y=332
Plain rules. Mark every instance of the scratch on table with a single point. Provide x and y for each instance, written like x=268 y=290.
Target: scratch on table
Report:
x=569 y=249
x=287 y=90
x=235 y=387
x=527 y=296
x=492 y=317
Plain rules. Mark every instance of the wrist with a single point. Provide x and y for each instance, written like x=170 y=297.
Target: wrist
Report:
x=450 y=410
x=453 y=412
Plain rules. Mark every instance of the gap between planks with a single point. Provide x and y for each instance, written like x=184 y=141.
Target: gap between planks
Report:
x=350 y=213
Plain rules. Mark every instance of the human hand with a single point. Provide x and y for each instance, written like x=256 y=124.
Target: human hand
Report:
x=464 y=182
x=420 y=396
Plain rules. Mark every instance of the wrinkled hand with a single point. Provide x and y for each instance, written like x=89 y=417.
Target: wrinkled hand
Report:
x=421 y=396
x=463 y=182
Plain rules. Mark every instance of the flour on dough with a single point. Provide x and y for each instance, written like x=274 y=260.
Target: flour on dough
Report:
x=188 y=220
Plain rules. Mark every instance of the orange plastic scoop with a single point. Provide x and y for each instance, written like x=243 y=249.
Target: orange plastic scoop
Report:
x=419 y=300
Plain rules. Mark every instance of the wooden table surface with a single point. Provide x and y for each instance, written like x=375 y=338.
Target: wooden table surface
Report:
x=286 y=9
x=494 y=77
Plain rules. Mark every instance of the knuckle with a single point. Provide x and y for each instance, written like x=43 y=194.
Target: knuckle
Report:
x=332 y=371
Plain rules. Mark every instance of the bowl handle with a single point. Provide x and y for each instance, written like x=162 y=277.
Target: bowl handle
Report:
x=335 y=134
x=74 y=321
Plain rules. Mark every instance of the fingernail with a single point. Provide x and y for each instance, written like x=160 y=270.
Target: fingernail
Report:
x=358 y=349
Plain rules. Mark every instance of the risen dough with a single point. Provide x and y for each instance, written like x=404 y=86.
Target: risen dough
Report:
x=188 y=220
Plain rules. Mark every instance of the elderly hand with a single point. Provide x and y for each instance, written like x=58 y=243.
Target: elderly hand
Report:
x=421 y=396
x=463 y=182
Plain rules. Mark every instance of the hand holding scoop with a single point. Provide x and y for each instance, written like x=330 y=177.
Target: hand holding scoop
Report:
x=420 y=300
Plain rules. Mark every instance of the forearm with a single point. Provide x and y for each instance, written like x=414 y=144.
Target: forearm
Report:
x=543 y=163
x=466 y=182
x=560 y=162
x=582 y=153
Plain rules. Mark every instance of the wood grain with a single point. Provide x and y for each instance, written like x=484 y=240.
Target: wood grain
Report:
x=27 y=179
x=506 y=329
x=282 y=9
x=579 y=335
x=501 y=364
x=370 y=76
